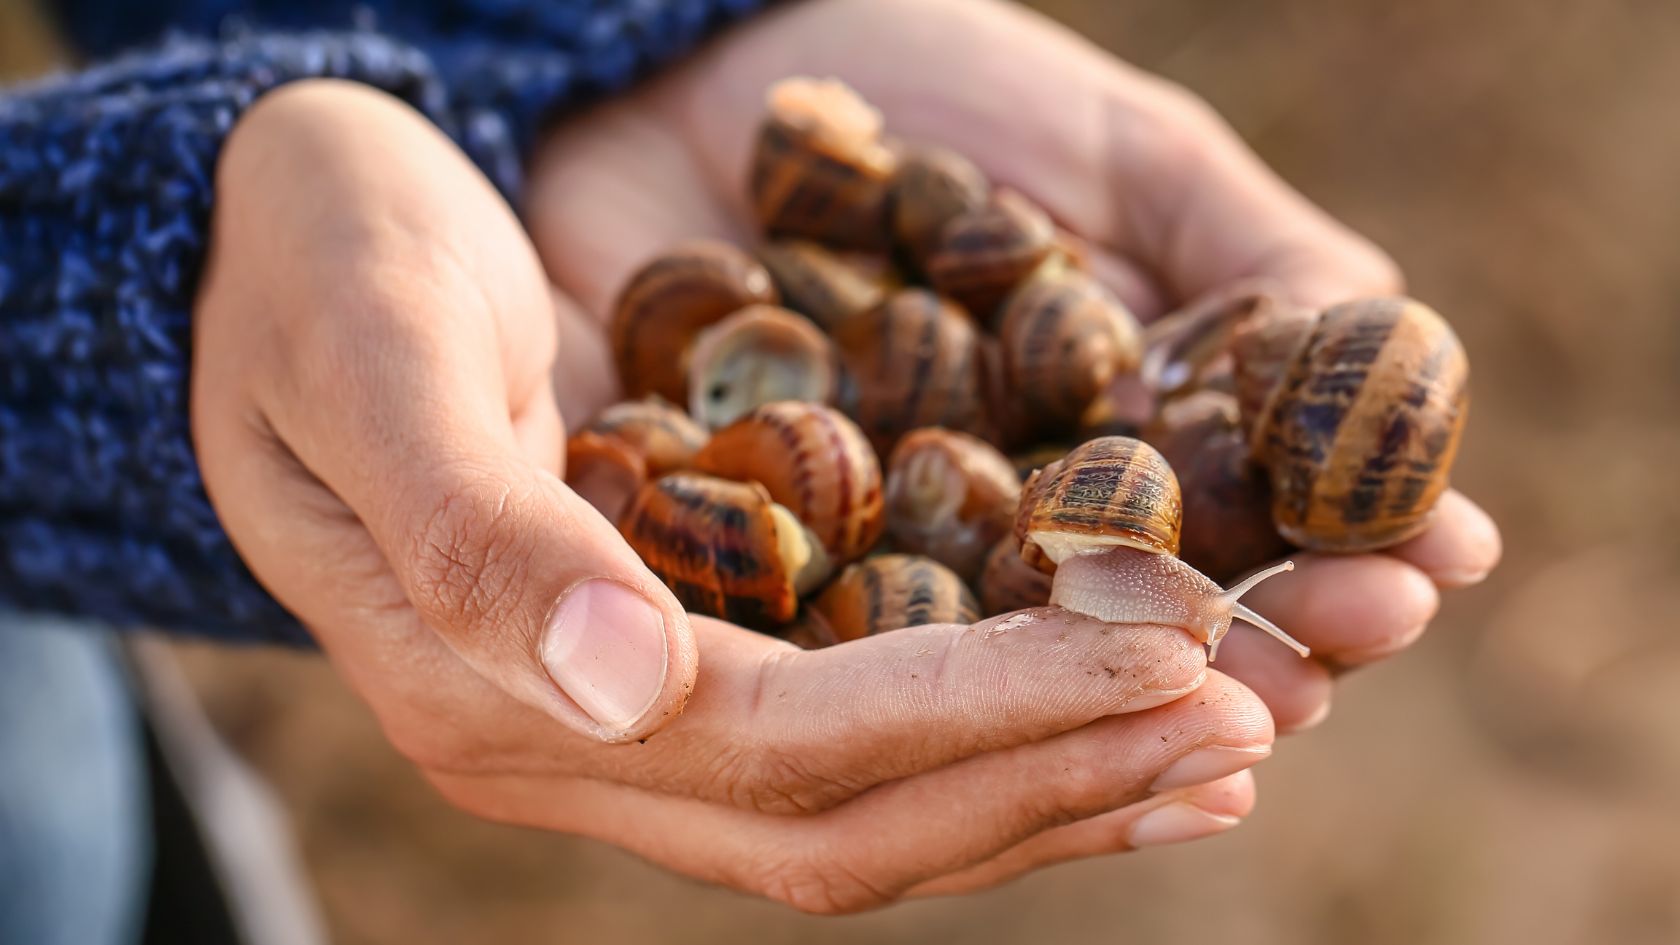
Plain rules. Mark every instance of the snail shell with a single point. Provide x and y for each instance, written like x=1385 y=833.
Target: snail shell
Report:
x=1184 y=349
x=667 y=301
x=1008 y=582
x=1065 y=338
x=913 y=361
x=665 y=436
x=725 y=548
x=1227 y=504
x=983 y=254
x=1360 y=432
x=932 y=186
x=821 y=284
x=891 y=592
x=820 y=170
x=605 y=470
x=950 y=496
x=1105 y=520
x=1264 y=347
x=757 y=356
x=815 y=462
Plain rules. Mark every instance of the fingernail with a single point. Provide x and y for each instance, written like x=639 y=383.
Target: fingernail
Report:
x=1381 y=650
x=1178 y=823
x=1208 y=764
x=604 y=646
x=1457 y=579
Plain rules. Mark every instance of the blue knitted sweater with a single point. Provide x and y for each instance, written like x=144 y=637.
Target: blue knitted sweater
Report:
x=105 y=193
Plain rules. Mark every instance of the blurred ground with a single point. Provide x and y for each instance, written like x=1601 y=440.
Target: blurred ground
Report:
x=1509 y=780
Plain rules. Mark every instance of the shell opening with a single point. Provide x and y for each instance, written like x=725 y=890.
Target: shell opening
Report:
x=807 y=563
x=1060 y=546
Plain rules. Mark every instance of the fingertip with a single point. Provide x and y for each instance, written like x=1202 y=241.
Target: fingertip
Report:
x=1461 y=546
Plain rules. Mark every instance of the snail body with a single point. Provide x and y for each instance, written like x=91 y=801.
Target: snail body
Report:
x=1104 y=521
x=950 y=496
x=813 y=461
x=758 y=355
x=820 y=170
x=890 y=592
x=725 y=548
x=1359 y=432
x=668 y=301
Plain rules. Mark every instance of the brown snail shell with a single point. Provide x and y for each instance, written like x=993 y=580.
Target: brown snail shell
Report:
x=932 y=186
x=820 y=169
x=666 y=303
x=815 y=462
x=1065 y=338
x=756 y=356
x=1227 y=503
x=912 y=361
x=890 y=592
x=725 y=548
x=1183 y=349
x=1263 y=348
x=1106 y=520
x=950 y=496
x=1008 y=582
x=983 y=254
x=605 y=470
x=821 y=284
x=666 y=437
x=1360 y=433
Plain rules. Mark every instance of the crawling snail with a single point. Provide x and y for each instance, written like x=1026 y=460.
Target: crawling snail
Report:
x=1356 y=415
x=1104 y=521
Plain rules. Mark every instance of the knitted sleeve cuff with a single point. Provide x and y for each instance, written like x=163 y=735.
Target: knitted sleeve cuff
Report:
x=106 y=181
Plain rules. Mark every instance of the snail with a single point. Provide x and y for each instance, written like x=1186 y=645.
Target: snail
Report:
x=813 y=461
x=1360 y=421
x=1187 y=349
x=605 y=470
x=667 y=301
x=821 y=284
x=1104 y=521
x=665 y=436
x=984 y=253
x=1227 y=504
x=932 y=186
x=912 y=361
x=725 y=548
x=820 y=169
x=890 y=592
x=758 y=355
x=1064 y=339
x=1007 y=582
x=950 y=496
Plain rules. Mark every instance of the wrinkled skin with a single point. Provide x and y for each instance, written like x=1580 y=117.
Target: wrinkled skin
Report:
x=386 y=364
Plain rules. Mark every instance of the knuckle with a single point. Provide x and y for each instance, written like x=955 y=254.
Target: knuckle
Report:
x=466 y=560
x=772 y=780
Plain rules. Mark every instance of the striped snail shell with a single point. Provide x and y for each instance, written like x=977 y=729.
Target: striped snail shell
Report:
x=815 y=462
x=820 y=169
x=984 y=253
x=758 y=355
x=912 y=361
x=1065 y=338
x=666 y=437
x=665 y=303
x=821 y=284
x=950 y=496
x=725 y=548
x=1105 y=521
x=1359 y=432
x=890 y=592
x=1007 y=582
x=932 y=186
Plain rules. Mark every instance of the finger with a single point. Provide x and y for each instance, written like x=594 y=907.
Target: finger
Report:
x=784 y=730
x=1174 y=817
x=1460 y=547
x=1296 y=690
x=1348 y=608
x=871 y=850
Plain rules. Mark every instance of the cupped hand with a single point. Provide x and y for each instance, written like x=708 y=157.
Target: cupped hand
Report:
x=1170 y=199
x=376 y=425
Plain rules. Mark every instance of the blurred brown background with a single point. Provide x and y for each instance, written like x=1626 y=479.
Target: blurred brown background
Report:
x=1512 y=779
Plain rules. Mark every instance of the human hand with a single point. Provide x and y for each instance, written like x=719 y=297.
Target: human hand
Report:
x=1171 y=201
x=375 y=424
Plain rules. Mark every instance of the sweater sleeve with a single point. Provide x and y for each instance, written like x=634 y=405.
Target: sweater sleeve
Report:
x=106 y=181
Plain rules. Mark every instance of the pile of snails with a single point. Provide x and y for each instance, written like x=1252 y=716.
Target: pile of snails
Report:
x=912 y=404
